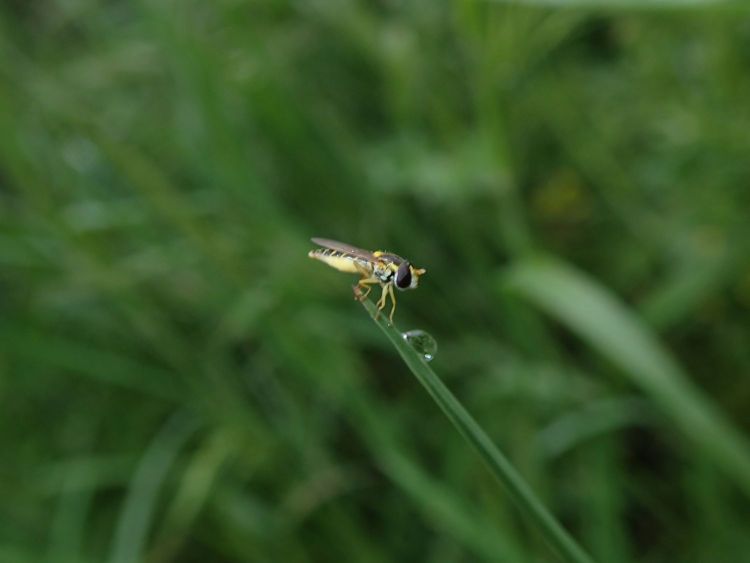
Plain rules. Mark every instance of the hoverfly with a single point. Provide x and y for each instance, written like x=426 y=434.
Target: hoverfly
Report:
x=379 y=267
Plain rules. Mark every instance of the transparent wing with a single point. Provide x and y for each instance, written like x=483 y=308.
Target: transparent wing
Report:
x=345 y=248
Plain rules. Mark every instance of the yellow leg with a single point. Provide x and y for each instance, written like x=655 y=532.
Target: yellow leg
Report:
x=381 y=301
x=393 y=298
x=366 y=283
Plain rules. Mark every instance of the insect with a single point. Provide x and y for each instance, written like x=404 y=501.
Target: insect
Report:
x=378 y=266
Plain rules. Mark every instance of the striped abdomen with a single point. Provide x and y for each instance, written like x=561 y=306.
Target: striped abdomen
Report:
x=341 y=261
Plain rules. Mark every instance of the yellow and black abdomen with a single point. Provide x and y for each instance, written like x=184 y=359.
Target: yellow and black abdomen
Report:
x=341 y=261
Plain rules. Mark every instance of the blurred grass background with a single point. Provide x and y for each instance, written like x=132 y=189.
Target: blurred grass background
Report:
x=180 y=383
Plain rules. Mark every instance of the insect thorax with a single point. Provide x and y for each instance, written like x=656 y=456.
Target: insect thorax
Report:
x=383 y=271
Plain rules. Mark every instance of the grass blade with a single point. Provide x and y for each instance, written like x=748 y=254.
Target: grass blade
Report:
x=131 y=534
x=612 y=329
x=498 y=464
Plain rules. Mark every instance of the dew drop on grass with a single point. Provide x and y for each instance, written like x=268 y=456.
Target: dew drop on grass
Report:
x=422 y=342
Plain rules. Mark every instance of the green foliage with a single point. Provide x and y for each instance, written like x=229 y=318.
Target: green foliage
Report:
x=616 y=333
x=474 y=434
x=180 y=383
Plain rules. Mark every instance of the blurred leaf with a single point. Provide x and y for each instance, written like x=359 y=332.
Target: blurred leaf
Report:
x=595 y=419
x=140 y=503
x=687 y=287
x=192 y=494
x=38 y=347
x=611 y=328
x=634 y=4
x=450 y=512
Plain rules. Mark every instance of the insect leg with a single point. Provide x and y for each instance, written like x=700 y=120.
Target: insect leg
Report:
x=367 y=284
x=381 y=301
x=393 y=298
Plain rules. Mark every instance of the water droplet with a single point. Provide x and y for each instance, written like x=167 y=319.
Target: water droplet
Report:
x=422 y=342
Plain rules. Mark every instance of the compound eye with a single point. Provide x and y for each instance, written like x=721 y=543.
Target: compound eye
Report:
x=403 y=276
